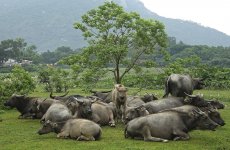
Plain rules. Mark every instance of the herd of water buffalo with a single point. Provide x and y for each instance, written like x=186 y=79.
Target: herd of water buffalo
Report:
x=146 y=117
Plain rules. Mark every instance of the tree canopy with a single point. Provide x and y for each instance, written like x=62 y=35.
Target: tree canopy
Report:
x=116 y=39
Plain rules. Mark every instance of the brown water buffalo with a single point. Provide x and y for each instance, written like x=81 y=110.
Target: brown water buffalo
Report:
x=177 y=85
x=23 y=104
x=97 y=111
x=79 y=129
x=119 y=97
x=168 y=125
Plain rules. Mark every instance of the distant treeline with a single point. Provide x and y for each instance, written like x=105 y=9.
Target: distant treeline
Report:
x=19 y=50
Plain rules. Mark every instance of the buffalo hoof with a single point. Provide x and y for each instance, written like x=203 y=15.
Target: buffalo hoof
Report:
x=112 y=125
x=165 y=141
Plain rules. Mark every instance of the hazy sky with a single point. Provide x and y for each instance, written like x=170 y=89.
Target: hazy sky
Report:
x=211 y=13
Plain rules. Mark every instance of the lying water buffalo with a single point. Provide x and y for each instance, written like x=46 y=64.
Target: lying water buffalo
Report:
x=168 y=125
x=39 y=107
x=177 y=85
x=57 y=112
x=23 y=104
x=65 y=98
x=79 y=129
x=217 y=104
x=212 y=113
x=106 y=96
x=171 y=102
x=134 y=112
x=97 y=111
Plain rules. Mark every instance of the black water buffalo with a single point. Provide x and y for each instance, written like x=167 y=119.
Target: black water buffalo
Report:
x=23 y=104
x=79 y=129
x=168 y=125
x=57 y=112
x=65 y=98
x=177 y=85
x=105 y=96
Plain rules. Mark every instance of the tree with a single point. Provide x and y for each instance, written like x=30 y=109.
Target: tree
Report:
x=53 y=57
x=116 y=39
x=17 y=49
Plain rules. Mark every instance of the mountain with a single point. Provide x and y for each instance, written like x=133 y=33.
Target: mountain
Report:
x=49 y=24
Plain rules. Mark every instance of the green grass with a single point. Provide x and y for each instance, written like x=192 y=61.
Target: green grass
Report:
x=21 y=134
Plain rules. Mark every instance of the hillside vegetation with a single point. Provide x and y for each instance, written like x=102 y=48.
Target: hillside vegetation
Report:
x=49 y=24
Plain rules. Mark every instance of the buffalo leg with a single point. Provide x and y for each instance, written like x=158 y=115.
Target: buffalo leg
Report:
x=111 y=118
x=63 y=134
x=148 y=137
x=180 y=135
x=82 y=137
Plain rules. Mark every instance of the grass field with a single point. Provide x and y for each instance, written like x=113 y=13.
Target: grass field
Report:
x=20 y=134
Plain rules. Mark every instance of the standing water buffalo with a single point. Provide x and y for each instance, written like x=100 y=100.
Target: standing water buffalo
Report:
x=119 y=97
x=23 y=104
x=80 y=129
x=168 y=125
x=177 y=85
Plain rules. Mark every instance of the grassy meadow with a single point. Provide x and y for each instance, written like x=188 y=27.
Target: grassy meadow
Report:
x=20 y=134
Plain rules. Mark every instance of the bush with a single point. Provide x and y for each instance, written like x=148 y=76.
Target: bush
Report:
x=18 y=81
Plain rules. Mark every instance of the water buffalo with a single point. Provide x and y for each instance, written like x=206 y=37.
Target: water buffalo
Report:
x=39 y=107
x=177 y=85
x=171 y=102
x=134 y=112
x=79 y=129
x=119 y=97
x=168 y=125
x=23 y=104
x=106 y=96
x=212 y=113
x=57 y=112
x=65 y=98
x=149 y=97
x=97 y=111
x=217 y=104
